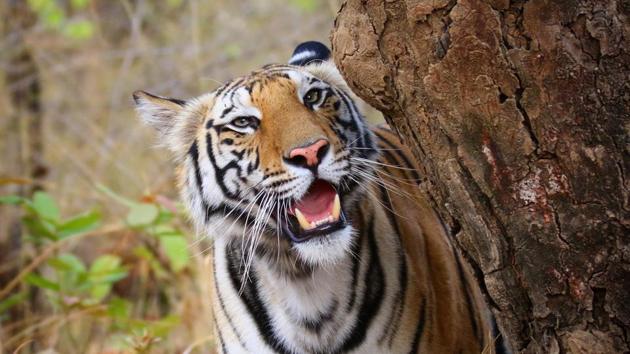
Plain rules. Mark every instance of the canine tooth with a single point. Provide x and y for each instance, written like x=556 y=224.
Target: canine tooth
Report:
x=336 y=208
x=302 y=220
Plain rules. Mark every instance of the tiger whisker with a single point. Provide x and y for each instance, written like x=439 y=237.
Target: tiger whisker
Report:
x=382 y=182
x=369 y=168
x=380 y=170
x=225 y=220
x=256 y=233
x=226 y=216
x=374 y=148
x=360 y=159
x=377 y=199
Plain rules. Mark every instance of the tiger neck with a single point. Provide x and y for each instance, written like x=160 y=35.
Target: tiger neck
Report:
x=324 y=301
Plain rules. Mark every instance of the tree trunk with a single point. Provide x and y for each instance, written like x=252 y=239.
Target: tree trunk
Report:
x=518 y=111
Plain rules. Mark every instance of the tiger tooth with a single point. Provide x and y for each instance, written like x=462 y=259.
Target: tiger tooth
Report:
x=336 y=208
x=302 y=220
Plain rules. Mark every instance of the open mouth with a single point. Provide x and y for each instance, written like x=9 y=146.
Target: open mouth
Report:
x=318 y=213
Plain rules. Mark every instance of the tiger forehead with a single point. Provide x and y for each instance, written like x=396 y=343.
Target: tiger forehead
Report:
x=266 y=88
x=260 y=89
x=258 y=79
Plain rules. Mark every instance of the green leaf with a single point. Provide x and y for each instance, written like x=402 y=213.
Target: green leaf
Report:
x=39 y=5
x=39 y=228
x=165 y=230
x=147 y=255
x=79 y=4
x=12 y=301
x=164 y=217
x=176 y=249
x=164 y=325
x=52 y=16
x=117 y=197
x=100 y=291
x=67 y=262
x=45 y=206
x=11 y=199
x=142 y=214
x=79 y=30
x=144 y=253
x=110 y=277
x=79 y=224
x=102 y=284
x=104 y=264
x=41 y=282
x=103 y=273
x=174 y=3
x=305 y=5
x=119 y=308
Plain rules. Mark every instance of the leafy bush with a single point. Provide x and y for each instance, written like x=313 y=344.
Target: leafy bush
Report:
x=131 y=293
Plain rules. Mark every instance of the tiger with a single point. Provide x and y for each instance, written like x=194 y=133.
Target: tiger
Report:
x=322 y=240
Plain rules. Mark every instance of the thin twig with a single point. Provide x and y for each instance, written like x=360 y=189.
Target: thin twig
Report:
x=48 y=251
x=51 y=320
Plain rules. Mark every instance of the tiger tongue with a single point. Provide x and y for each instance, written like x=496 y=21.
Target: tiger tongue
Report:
x=318 y=202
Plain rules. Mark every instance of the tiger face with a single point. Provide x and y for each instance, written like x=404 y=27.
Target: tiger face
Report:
x=270 y=159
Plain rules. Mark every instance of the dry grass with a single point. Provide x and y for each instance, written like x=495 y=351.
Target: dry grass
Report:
x=91 y=136
x=91 y=132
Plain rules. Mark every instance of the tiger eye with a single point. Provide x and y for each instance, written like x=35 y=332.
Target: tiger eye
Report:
x=312 y=96
x=243 y=122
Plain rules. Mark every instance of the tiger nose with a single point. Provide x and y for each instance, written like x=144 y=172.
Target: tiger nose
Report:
x=308 y=156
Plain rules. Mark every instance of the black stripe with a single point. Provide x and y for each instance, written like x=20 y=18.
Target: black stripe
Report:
x=221 y=89
x=469 y=302
x=374 y=288
x=233 y=87
x=402 y=270
x=396 y=149
x=356 y=263
x=194 y=156
x=223 y=349
x=177 y=101
x=389 y=157
x=222 y=305
x=355 y=117
x=316 y=324
x=282 y=75
x=415 y=346
x=238 y=154
x=226 y=111
x=500 y=346
x=250 y=297
x=219 y=173
x=354 y=112
x=280 y=182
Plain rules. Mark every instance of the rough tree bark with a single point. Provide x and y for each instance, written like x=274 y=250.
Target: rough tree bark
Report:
x=519 y=112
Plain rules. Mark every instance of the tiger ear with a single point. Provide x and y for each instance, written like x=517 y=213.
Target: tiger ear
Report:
x=158 y=112
x=310 y=52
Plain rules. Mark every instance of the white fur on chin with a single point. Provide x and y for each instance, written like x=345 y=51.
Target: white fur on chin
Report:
x=326 y=250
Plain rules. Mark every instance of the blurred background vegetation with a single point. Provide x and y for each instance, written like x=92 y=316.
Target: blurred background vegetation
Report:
x=96 y=255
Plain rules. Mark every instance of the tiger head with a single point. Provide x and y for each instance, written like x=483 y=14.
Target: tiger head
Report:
x=274 y=159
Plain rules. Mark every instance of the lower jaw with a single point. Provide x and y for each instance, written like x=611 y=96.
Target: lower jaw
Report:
x=321 y=231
